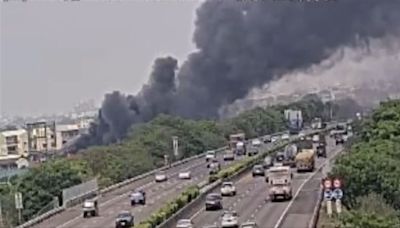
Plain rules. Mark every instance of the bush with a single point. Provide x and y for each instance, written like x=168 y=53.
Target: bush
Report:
x=371 y=166
x=171 y=207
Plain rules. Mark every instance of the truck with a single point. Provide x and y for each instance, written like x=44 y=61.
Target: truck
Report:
x=305 y=158
x=279 y=179
x=287 y=156
x=316 y=123
x=237 y=143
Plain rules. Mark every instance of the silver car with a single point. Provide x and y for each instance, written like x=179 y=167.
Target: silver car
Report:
x=184 y=223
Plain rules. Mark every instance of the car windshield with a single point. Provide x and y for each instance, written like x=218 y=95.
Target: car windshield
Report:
x=258 y=167
x=229 y=214
x=213 y=197
x=124 y=215
x=227 y=185
x=210 y=153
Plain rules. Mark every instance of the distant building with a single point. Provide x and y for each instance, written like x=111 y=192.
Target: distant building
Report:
x=65 y=134
x=42 y=137
x=84 y=124
x=13 y=149
x=14 y=142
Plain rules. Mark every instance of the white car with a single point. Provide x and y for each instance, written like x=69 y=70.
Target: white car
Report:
x=229 y=219
x=256 y=142
x=161 y=176
x=285 y=137
x=185 y=174
x=315 y=138
x=228 y=189
x=184 y=223
x=210 y=155
x=274 y=138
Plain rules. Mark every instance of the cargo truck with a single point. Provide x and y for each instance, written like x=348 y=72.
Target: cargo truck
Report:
x=279 y=179
x=305 y=158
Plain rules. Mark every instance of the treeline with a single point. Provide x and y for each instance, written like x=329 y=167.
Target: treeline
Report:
x=371 y=171
x=142 y=150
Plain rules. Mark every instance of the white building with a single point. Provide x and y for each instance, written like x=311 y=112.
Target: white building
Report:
x=66 y=133
x=14 y=142
x=13 y=147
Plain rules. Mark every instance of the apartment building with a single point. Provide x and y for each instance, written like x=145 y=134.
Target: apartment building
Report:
x=42 y=137
x=13 y=149
x=65 y=134
x=14 y=142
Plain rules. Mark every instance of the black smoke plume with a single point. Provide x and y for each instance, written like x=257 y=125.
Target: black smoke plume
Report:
x=246 y=44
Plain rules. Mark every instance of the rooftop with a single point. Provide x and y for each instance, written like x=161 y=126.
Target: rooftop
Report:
x=13 y=132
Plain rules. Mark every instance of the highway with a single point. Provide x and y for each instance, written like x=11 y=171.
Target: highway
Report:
x=252 y=202
x=118 y=200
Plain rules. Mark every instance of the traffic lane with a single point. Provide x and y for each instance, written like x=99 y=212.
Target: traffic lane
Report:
x=251 y=199
x=270 y=213
x=155 y=199
x=164 y=192
x=310 y=182
x=153 y=190
x=204 y=217
x=108 y=198
x=74 y=213
x=302 y=209
x=243 y=187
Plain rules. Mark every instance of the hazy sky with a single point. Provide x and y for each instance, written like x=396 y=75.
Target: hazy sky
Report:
x=55 y=54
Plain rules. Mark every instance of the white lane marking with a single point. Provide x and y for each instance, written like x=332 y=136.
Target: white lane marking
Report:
x=121 y=196
x=197 y=213
x=143 y=186
x=280 y=220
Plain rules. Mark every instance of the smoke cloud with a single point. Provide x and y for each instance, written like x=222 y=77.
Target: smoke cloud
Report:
x=242 y=45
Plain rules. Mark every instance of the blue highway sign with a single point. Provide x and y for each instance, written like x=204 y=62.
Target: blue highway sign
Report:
x=337 y=193
x=328 y=194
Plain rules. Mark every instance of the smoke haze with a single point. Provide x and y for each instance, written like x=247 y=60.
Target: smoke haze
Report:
x=367 y=74
x=246 y=45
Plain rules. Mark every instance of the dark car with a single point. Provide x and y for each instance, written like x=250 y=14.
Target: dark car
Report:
x=267 y=139
x=339 y=139
x=213 y=161
x=213 y=201
x=258 y=170
x=124 y=219
x=252 y=151
x=321 y=150
x=138 y=197
x=280 y=157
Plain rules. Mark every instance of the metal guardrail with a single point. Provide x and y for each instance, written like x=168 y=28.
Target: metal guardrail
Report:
x=315 y=215
x=124 y=183
x=185 y=211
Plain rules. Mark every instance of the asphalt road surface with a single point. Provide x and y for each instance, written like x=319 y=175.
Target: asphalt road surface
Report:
x=118 y=200
x=252 y=202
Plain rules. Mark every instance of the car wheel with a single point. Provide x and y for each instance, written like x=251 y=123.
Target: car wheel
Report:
x=84 y=214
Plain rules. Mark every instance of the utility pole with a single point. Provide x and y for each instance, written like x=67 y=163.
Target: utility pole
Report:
x=175 y=145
